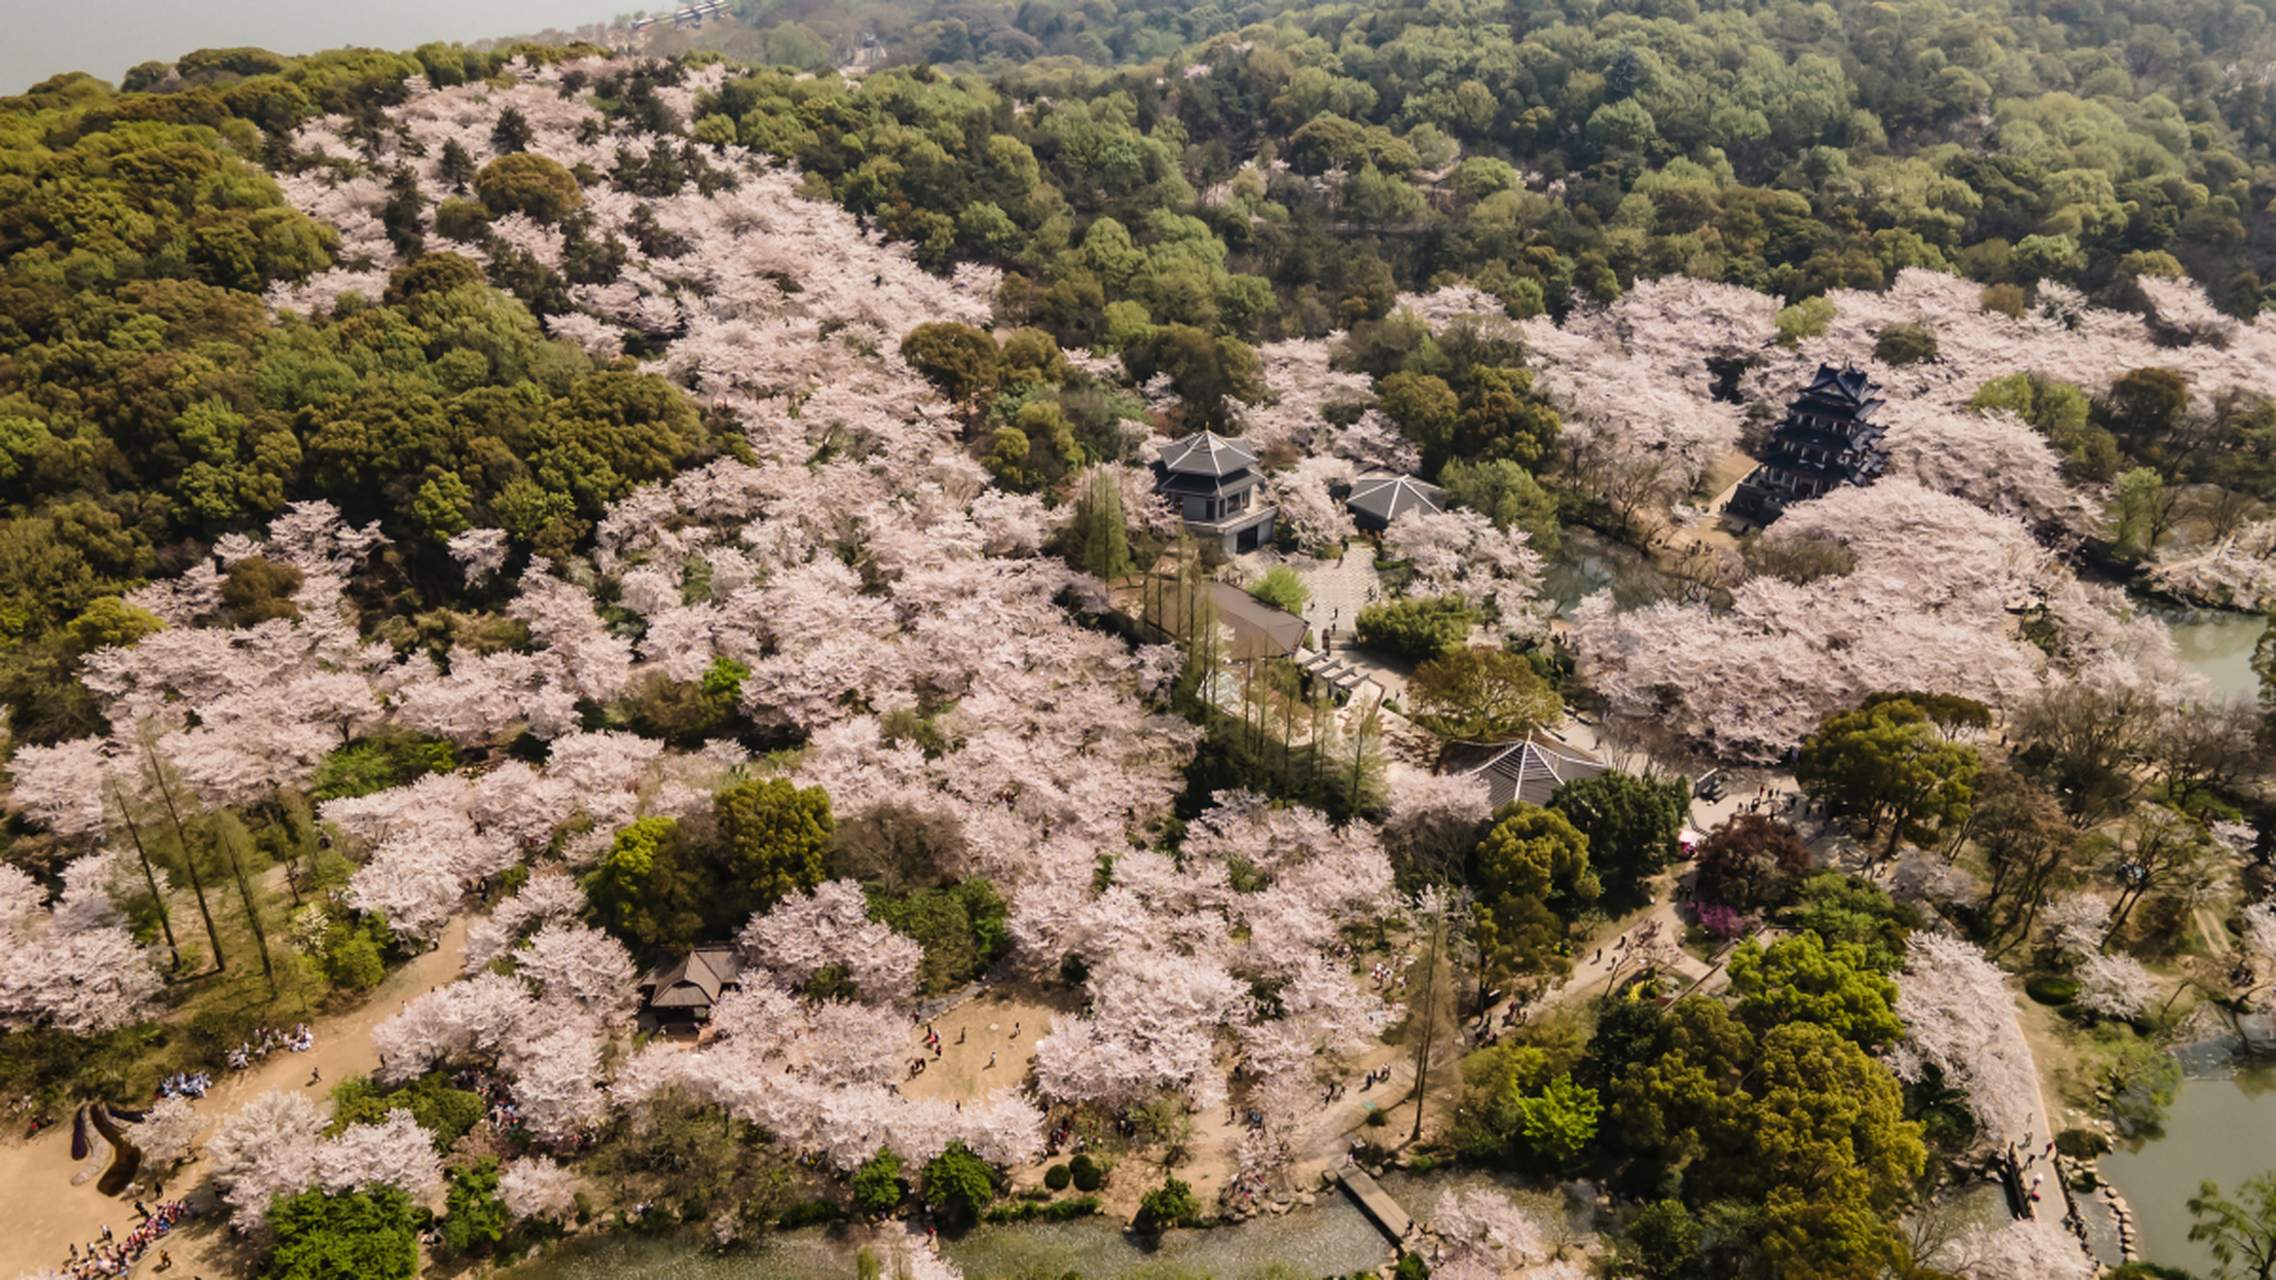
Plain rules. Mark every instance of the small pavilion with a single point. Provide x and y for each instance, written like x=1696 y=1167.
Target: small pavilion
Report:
x=1380 y=497
x=1530 y=770
x=683 y=991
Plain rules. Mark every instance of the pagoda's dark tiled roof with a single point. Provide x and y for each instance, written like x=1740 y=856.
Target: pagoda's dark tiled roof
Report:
x=1185 y=484
x=1205 y=453
x=1799 y=437
x=1387 y=497
x=1846 y=385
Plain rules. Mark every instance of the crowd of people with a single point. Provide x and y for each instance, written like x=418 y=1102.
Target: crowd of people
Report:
x=186 y=1084
x=267 y=1041
x=109 y=1256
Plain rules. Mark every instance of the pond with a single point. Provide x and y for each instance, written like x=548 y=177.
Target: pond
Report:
x=2221 y=1128
x=2218 y=644
x=1587 y=562
x=1330 y=1238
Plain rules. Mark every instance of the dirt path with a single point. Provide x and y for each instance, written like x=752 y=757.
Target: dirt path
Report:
x=46 y=1214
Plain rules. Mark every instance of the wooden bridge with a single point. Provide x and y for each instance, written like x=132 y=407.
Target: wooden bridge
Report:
x=1376 y=1203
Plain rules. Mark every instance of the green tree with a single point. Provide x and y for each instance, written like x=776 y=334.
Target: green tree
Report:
x=1749 y=861
x=1905 y=343
x=363 y=1235
x=960 y=1183
x=2143 y=405
x=1631 y=824
x=1505 y=493
x=476 y=1218
x=1530 y=866
x=777 y=836
x=1481 y=695
x=1165 y=1205
x=1105 y=552
x=960 y=360
x=650 y=891
x=1664 y=1239
x=2240 y=1233
x=1827 y=1123
x=877 y=1184
x=1415 y=630
x=1799 y=978
x=528 y=184
x=1888 y=762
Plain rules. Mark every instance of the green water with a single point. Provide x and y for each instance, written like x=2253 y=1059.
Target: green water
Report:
x=1330 y=1239
x=2218 y=645
x=2220 y=1129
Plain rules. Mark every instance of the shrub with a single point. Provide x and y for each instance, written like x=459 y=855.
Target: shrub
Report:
x=2051 y=989
x=1057 y=1177
x=1377 y=1117
x=877 y=1184
x=1166 y=1204
x=806 y=1213
x=1085 y=1173
x=1282 y=589
x=1415 y=630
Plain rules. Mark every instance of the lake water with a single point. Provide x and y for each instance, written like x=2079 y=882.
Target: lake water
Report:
x=2223 y=1129
x=105 y=37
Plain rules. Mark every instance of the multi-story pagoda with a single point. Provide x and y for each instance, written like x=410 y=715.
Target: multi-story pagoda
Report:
x=1827 y=439
x=1212 y=481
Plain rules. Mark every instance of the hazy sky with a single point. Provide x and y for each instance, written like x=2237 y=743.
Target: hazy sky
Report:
x=105 y=37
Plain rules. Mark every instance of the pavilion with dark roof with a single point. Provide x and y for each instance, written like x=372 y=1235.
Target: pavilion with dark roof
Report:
x=1380 y=497
x=684 y=990
x=1212 y=481
x=1826 y=440
x=1530 y=770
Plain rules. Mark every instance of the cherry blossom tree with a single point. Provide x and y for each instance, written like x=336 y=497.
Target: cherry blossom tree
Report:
x=831 y=926
x=2115 y=986
x=266 y=1150
x=2077 y=923
x=395 y=1152
x=574 y=963
x=547 y=897
x=1461 y=553
x=1486 y=1235
x=1960 y=1017
x=75 y=968
x=166 y=1132
x=536 y=1187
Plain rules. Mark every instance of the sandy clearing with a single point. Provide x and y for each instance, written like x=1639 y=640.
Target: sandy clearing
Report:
x=46 y=1214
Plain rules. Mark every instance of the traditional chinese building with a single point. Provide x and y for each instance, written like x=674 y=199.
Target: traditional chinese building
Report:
x=1530 y=770
x=1212 y=481
x=683 y=991
x=1826 y=440
x=1380 y=497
